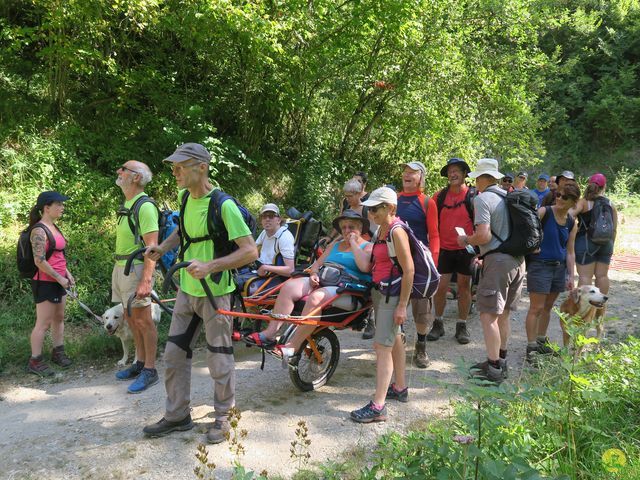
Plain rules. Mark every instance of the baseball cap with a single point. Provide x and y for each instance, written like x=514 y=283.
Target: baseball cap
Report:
x=599 y=179
x=523 y=174
x=270 y=207
x=486 y=166
x=543 y=176
x=381 y=195
x=417 y=166
x=508 y=175
x=568 y=174
x=188 y=151
x=455 y=161
x=46 y=198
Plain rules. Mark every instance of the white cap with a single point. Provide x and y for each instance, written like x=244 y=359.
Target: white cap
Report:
x=381 y=195
x=417 y=166
x=270 y=207
x=486 y=166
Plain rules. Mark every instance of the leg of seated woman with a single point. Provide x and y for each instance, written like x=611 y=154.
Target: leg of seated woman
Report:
x=303 y=331
x=293 y=290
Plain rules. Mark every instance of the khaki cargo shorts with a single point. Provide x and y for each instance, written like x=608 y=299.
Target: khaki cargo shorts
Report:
x=500 y=283
x=122 y=286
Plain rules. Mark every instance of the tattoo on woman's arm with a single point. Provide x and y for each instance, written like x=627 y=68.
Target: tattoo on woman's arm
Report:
x=38 y=244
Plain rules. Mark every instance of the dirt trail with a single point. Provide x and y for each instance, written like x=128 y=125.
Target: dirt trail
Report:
x=83 y=424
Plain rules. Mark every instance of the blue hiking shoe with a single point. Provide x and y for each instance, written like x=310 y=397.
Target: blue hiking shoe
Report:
x=369 y=413
x=131 y=372
x=147 y=378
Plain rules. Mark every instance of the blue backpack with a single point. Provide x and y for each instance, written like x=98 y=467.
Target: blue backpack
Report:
x=425 y=278
x=168 y=221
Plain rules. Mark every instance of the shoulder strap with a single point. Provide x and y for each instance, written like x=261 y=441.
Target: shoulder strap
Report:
x=545 y=217
x=279 y=233
x=440 y=198
x=134 y=212
x=185 y=240
x=468 y=200
x=50 y=237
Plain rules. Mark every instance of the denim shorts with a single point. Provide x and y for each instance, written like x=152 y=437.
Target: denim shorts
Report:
x=544 y=276
x=588 y=252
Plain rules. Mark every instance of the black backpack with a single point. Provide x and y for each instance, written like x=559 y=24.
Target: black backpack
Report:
x=525 y=228
x=215 y=225
x=600 y=229
x=167 y=223
x=24 y=255
x=468 y=200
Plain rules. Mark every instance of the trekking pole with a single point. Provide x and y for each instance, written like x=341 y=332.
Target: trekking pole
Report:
x=167 y=282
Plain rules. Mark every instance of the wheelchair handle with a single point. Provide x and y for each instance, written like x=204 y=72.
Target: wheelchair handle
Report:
x=137 y=254
x=294 y=213
x=308 y=215
x=167 y=282
x=154 y=298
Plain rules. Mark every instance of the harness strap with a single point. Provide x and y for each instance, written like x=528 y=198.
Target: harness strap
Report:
x=183 y=340
x=224 y=350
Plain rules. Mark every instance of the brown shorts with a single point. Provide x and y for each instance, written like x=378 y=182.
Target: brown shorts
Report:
x=421 y=309
x=500 y=283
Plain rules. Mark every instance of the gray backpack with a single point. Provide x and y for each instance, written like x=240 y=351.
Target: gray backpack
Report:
x=600 y=229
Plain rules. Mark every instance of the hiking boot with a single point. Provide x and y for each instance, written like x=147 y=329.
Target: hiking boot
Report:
x=369 y=413
x=39 y=367
x=147 y=378
x=420 y=357
x=485 y=371
x=130 y=372
x=532 y=355
x=370 y=330
x=164 y=427
x=60 y=358
x=219 y=432
x=544 y=347
x=462 y=334
x=437 y=330
x=401 y=396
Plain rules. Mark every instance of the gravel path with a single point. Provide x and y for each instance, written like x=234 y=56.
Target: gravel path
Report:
x=83 y=424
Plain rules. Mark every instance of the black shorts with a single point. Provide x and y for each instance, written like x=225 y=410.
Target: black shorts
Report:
x=458 y=261
x=47 y=291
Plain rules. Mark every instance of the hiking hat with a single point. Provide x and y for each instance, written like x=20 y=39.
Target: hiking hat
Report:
x=568 y=174
x=599 y=179
x=486 y=166
x=349 y=214
x=187 y=151
x=46 y=198
x=508 y=175
x=523 y=174
x=270 y=207
x=417 y=166
x=381 y=195
x=455 y=161
x=543 y=176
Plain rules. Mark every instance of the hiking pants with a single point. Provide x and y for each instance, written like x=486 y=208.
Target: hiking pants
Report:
x=189 y=314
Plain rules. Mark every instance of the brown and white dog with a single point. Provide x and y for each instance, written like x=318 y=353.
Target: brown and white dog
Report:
x=115 y=324
x=588 y=303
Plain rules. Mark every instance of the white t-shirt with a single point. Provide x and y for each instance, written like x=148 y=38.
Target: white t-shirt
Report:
x=268 y=251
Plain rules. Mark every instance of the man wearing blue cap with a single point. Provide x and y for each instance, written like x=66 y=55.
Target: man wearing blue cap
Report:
x=542 y=187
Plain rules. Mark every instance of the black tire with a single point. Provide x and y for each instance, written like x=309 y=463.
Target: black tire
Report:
x=309 y=374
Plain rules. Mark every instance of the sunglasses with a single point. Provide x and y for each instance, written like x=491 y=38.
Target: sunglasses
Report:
x=128 y=170
x=507 y=180
x=565 y=197
x=268 y=215
x=375 y=208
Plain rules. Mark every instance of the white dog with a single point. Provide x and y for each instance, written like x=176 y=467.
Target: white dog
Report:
x=588 y=303
x=115 y=324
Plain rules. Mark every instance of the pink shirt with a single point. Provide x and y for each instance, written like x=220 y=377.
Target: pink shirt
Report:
x=57 y=260
x=382 y=264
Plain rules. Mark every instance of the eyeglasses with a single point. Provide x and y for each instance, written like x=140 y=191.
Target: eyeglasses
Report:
x=507 y=180
x=268 y=215
x=375 y=208
x=564 y=197
x=128 y=170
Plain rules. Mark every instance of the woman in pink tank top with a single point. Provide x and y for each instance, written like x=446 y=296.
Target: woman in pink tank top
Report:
x=50 y=282
x=390 y=310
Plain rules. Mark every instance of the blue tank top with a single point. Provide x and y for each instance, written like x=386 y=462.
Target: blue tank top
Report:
x=554 y=238
x=410 y=210
x=348 y=261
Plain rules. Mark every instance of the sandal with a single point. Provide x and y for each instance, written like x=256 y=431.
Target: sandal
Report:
x=259 y=340
x=286 y=354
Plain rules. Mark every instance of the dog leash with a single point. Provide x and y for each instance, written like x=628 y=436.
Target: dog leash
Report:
x=74 y=295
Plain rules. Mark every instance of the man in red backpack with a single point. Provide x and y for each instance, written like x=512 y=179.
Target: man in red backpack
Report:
x=455 y=209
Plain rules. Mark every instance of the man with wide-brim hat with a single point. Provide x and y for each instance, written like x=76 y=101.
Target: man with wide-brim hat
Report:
x=455 y=209
x=502 y=274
